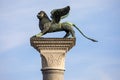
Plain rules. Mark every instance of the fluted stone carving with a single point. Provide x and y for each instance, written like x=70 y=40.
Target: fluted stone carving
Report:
x=52 y=51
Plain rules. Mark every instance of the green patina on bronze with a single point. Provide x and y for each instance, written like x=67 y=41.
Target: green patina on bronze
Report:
x=47 y=26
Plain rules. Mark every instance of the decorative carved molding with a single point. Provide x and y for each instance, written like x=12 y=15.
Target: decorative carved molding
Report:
x=52 y=51
x=50 y=60
x=52 y=43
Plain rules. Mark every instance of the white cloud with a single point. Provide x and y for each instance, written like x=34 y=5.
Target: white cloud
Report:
x=94 y=72
x=14 y=26
x=85 y=8
x=12 y=40
x=88 y=4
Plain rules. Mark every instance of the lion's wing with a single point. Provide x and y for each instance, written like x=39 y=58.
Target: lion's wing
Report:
x=57 y=14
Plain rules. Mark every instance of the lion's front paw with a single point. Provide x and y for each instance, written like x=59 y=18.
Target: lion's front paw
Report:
x=38 y=35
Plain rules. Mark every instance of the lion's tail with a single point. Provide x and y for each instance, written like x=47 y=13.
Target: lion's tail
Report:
x=84 y=34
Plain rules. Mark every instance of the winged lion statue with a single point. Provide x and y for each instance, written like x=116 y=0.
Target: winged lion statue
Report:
x=48 y=26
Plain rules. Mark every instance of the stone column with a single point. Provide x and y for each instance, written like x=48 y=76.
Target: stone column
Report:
x=52 y=52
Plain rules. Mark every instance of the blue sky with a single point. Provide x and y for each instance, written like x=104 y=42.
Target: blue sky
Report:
x=99 y=19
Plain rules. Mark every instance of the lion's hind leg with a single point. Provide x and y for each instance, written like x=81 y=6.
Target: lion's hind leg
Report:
x=71 y=31
x=67 y=34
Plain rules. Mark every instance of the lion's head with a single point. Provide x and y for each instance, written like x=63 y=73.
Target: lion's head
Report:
x=41 y=14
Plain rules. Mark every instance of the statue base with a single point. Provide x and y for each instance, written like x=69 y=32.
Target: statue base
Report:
x=52 y=52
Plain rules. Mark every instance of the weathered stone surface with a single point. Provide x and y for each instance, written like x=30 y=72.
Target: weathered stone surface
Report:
x=52 y=51
x=52 y=43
